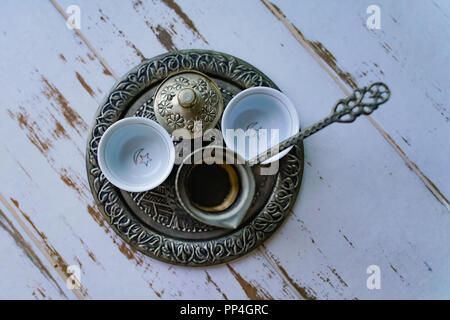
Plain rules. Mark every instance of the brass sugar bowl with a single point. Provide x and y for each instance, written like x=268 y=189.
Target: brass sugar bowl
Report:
x=189 y=100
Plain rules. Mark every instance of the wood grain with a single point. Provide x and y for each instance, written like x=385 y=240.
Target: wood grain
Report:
x=328 y=182
x=388 y=54
x=359 y=203
x=49 y=118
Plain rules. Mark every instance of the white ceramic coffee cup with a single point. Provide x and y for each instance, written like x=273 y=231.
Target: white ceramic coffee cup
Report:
x=259 y=108
x=136 y=154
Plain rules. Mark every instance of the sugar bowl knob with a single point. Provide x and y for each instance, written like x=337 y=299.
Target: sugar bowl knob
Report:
x=187 y=97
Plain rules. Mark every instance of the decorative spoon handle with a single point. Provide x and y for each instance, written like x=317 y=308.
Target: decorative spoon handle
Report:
x=362 y=101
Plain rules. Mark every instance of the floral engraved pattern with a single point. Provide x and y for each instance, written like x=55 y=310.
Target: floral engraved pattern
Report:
x=194 y=126
x=181 y=82
x=175 y=121
x=164 y=107
x=200 y=85
x=208 y=113
x=210 y=97
x=167 y=93
x=193 y=252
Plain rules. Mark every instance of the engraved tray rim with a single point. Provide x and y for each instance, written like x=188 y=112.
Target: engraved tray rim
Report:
x=113 y=208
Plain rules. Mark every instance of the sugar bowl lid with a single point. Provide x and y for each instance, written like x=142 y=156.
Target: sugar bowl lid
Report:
x=190 y=100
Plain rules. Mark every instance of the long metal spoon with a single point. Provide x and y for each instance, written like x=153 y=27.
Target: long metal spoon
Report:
x=362 y=101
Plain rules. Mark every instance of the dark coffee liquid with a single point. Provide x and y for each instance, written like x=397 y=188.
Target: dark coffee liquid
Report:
x=208 y=185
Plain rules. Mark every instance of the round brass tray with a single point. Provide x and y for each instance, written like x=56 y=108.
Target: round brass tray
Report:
x=154 y=222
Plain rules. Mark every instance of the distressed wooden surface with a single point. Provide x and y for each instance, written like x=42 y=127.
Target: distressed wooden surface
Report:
x=407 y=52
x=373 y=192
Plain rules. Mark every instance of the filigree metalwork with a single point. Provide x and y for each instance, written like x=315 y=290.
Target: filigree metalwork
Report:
x=162 y=246
x=363 y=101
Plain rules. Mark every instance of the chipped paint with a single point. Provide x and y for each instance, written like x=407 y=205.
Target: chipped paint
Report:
x=325 y=279
x=41 y=292
x=97 y=216
x=333 y=270
x=346 y=239
x=396 y=271
x=438 y=106
x=89 y=252
x=252 y=292
x=329 y=59
x=306 y=293
x=92 y=256
x=413 y=167
x=158 y=294
x=126 y=250
x=59 y=131
x=68 y=181
x=58 y=261
x=26 y=248
x=43 y=144
x=137 y=4
x=130 y=44
x=67 y=176
x=316 y=46
x=129 y=252
x=72 y=117
x=107 y=72
x=85 y=85
x=187 y=21
x=80 y=264
x=33 y=131
x=163 y=36
x=105 y=66
x=23 y=169
x=16 y=204
x=428 y=266
x=349 y=242
x=43 y=237
x=210 y=280
x=405 y=140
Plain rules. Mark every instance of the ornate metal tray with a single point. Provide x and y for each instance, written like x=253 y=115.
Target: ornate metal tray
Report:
x=154 y=222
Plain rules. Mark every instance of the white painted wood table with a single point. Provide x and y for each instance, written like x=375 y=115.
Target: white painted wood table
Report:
x=373 y=193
